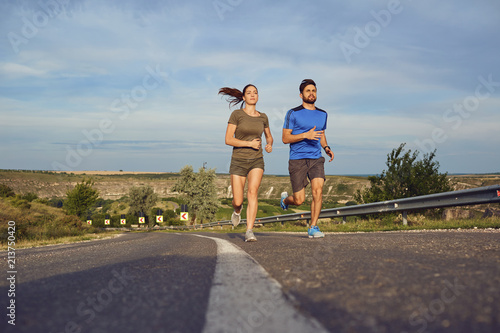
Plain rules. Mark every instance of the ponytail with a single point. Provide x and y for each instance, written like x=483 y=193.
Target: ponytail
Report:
x=234 y=95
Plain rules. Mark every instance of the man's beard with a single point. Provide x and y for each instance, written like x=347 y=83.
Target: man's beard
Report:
x=309 y=100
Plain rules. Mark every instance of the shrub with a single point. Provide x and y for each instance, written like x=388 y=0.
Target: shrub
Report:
x=81 y=199
x=6 y=191
x=405 y=177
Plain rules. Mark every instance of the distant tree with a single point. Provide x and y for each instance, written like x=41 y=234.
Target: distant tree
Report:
x=81 y=199
x=200 y=192
x=405 y=177
x=142 y=199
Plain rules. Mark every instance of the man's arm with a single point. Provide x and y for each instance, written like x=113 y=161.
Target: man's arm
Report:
x=324 y=144
x=312 y=134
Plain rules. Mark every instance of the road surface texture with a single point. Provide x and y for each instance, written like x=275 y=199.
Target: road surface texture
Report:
x=425 y=281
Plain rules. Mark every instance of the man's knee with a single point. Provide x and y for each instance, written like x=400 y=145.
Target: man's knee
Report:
x=317 y=187
x=298 y=199
x=317 y=193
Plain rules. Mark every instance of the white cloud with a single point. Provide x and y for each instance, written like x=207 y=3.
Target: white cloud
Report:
x=15 y=71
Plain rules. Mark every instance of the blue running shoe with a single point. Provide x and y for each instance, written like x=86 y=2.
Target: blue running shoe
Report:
x=284 y=195
x=314 y=232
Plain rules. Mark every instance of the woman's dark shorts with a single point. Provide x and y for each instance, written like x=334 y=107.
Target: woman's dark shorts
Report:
x=242 y=166
x=301 y=170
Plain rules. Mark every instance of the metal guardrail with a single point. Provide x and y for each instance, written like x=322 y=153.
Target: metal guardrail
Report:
x=475 y=196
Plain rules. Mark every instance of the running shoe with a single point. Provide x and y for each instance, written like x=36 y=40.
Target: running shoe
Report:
x=284 y=195
x=235 y=219
x=314 y=232
x=249 y=236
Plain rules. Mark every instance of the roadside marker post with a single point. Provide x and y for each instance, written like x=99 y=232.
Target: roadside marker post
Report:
x=159 y=216
x=184 y=214
x=142 y=218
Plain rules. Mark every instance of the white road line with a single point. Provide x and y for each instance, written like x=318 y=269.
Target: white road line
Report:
x=245 y=298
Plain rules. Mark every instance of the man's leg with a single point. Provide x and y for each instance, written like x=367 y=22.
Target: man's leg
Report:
x=297 y=199
x=298 y=178
x=316 y=204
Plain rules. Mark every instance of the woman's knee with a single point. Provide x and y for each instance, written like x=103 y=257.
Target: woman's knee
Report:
x=237 y=202
x=252 y=193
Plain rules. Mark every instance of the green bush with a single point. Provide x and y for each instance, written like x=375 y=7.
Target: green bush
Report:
x=81 y=199
x=405 y=177
x=20 y=203
x=29 y=197
x=6 y=191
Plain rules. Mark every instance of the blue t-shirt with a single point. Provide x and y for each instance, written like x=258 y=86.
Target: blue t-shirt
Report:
x=301 y=120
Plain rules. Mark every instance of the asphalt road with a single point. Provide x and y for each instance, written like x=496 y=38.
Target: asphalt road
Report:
x=443 y=281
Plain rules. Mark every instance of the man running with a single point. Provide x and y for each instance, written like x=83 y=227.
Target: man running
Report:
x=304 y=130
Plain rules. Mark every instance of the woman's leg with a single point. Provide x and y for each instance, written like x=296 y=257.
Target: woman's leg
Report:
x=238 y=187
x=254 y=179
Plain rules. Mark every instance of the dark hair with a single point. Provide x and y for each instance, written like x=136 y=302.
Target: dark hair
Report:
x=235 y=96
x=305 y=83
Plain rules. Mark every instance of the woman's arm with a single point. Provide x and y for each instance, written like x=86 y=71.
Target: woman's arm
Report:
x=269 y=139
x=232 y=141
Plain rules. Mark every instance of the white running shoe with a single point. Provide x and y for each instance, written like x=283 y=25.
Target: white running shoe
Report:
x=249 y=236
x=235 y=219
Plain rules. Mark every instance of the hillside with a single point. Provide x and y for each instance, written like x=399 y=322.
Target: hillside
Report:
x=114 y=185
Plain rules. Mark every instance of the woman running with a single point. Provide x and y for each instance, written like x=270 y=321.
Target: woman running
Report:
x=243 y=133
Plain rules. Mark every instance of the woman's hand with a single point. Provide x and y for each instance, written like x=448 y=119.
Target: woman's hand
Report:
x=255 y=144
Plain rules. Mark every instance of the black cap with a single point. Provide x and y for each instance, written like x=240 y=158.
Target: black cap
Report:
x=305 y=83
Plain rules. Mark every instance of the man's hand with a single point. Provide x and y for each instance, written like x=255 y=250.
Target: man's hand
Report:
x=329 y=152
x=313 y=135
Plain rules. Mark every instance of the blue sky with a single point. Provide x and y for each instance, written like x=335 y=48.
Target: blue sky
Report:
x=132 y=85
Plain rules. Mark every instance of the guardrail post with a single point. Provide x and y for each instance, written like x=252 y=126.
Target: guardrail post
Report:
x=344 y=219
x=405 y=220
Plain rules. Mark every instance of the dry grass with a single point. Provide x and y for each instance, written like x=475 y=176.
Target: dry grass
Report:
x=37 y=222
x=110 y=173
